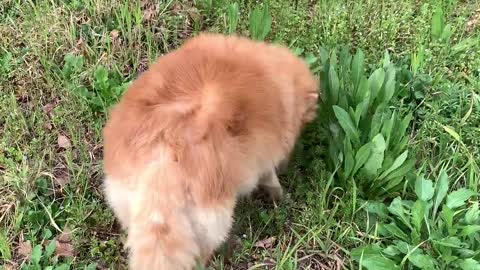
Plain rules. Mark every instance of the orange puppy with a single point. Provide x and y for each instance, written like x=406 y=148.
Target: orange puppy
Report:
x=204 y=125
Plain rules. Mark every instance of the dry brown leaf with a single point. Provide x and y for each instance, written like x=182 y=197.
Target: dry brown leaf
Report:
x=48 y=126
x=114 y=34
x=64 y=249
x=150 y=11
x=65 y=236
x=9 y=267
x=79 y=43
x=47 y=108
x=63 y=142
x=474 y=21
x=62 y=177
x=266 y=243
x=24 y=249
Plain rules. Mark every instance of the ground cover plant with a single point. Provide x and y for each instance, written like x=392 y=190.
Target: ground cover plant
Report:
x=387 y=177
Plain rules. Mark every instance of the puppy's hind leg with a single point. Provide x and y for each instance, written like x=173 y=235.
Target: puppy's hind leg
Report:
x=269 y=182
x=282 y=167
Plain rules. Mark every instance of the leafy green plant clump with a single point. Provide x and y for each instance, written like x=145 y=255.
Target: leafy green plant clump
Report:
x=45 y=258
x=439 y=230
x=259 y=22
x=367 y=137
x=105 y=90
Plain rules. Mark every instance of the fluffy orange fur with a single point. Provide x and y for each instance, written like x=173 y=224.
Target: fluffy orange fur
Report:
x=204 y=125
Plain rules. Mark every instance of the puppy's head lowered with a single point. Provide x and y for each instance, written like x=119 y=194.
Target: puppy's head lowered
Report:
x=307 y=91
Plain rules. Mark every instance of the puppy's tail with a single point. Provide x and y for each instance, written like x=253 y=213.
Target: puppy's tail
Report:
x=160 y=233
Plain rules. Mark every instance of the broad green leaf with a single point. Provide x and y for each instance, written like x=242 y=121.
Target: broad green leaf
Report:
x=324 y=55
x=467 y=253
x=437 y=23
x=377 y=208
x=393 y=230
x=396 y=208
x=447 y=216
x=405 y=248
x=361 y=157
x=387 y=129
x=358 y=113
x=422 y=261
x=342 y=101
x=334 y=84
x=63 y=266
x=333 y=59
x=364 y=111
x=386 y=59
x=400 y=145
x=458 y=197
x=418 y=213
x=390 y=184
x=400 y=136
x=452 y=133
x=349 y=159
x=48 y=268
x=346 y=123
x=297 y=51
x=260 y=22
x=446 y=33
x=233 y=14
x=375 y=160
x=50 y=249
x=469 y=264
x=453 y=242
x=376 y=82
x=357 y=67
x=101 y=74
x=473 y=213
x=390 y=73
x=310 y=59
x=345 y=61
x=402 y=171
x=91 y=266
x=379 y=263
x=441 y=189
x=399 y=161
x=470 y=229
x=389 y=91
x=351 y=112
x=405 y=122
x=371 y=257
x=377 y=121
x=369 y=250
x=424 y=188
x=392 y=251
x=363 y=94
x=36 y=254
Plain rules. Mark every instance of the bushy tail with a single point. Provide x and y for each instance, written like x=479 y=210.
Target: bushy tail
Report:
x=160 y=233
x=169 y=246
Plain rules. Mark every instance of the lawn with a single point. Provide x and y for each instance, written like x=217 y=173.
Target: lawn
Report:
x=387 y=177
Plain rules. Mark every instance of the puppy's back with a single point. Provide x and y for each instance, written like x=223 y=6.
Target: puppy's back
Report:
x=213 y=88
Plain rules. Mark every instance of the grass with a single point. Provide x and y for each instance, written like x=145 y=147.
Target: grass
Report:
x=62 y=63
